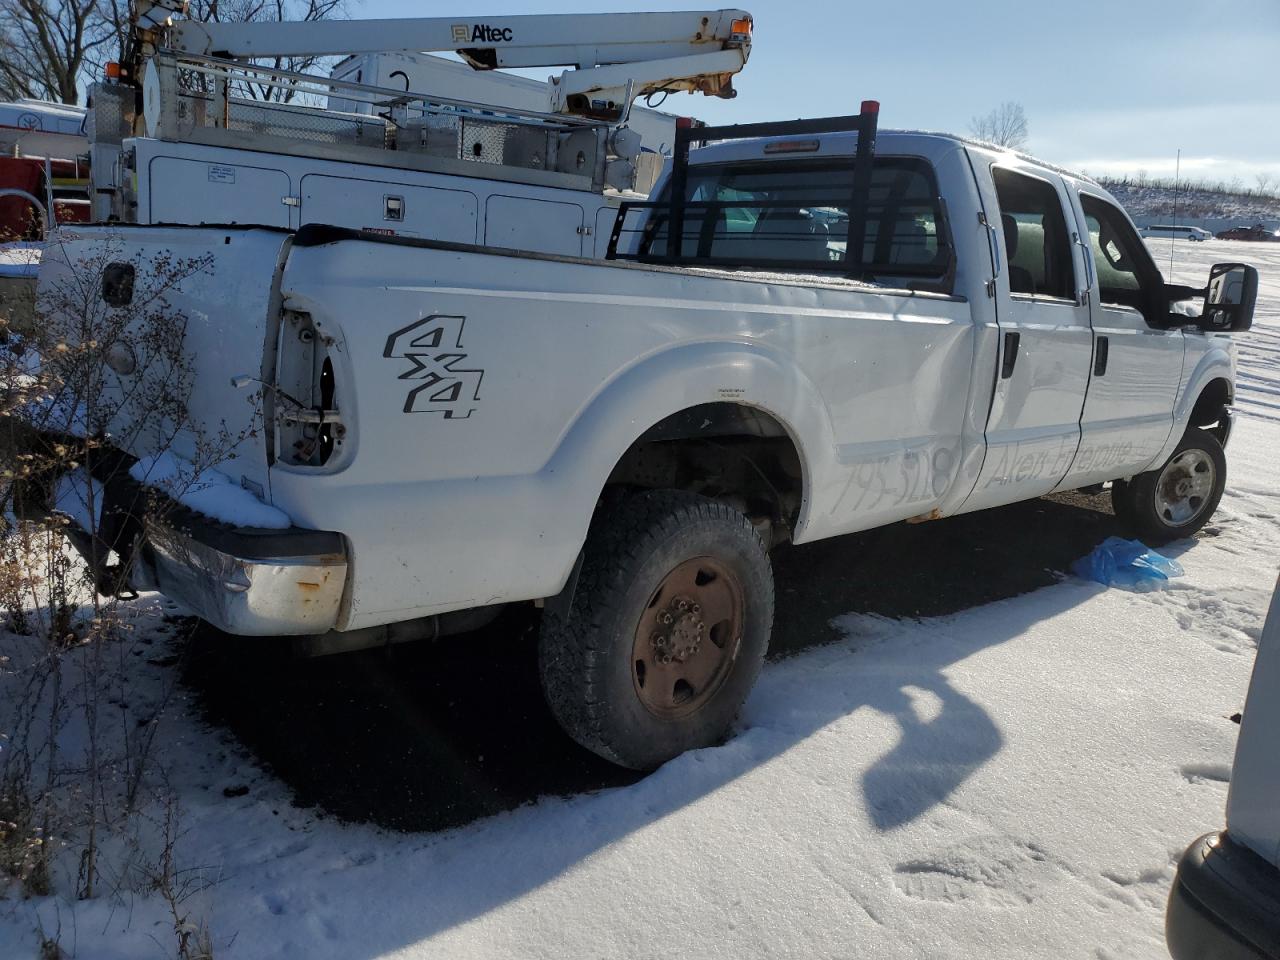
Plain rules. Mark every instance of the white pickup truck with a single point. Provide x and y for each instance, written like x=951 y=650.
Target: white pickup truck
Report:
x=453 y=427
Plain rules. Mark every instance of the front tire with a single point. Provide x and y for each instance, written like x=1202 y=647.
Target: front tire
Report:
x=1175 y=501
x=667 y=631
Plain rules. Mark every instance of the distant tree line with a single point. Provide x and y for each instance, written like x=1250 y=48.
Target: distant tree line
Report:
x=1266 y=186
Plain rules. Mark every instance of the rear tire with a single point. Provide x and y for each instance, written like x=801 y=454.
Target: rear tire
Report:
x=1175 y=501
x=667 y=631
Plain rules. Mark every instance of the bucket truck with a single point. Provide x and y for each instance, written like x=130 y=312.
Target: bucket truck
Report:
x=191 y=130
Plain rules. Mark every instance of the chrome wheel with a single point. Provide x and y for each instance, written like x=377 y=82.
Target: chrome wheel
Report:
x=1184 y=487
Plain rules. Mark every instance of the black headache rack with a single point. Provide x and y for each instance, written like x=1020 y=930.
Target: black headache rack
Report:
x=697 y=223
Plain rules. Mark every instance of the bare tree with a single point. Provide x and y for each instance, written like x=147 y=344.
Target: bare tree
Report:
x=1005 y=126
x=45 y=44
x=113 y=23
x=264 y=11
x=51 y=48
x=1266 y=182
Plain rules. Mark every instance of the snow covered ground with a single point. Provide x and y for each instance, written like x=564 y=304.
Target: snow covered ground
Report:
x=1015 y=780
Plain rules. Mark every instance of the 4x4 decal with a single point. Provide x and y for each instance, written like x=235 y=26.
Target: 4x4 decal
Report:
x=433 y=345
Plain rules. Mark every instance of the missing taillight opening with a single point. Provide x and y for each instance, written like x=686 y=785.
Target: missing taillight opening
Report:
x=308 y=420
x=326 y=431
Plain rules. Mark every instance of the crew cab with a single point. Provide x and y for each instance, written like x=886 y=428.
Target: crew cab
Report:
x=855 y=329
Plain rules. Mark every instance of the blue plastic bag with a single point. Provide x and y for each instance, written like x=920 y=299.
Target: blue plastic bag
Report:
x=1126 y=563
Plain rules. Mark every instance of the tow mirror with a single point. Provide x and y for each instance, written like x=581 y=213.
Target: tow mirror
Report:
x=1230 y=297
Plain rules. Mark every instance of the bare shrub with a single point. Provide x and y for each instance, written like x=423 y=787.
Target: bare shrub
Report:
x=79 y=779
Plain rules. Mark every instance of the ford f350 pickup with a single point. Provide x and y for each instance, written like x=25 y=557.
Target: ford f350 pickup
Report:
x=854 y=329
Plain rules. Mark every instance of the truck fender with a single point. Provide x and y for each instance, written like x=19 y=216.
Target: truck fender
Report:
x=1215 y=364
x=676 y=379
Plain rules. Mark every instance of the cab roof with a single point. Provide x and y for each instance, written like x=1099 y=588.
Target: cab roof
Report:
x=923 y=143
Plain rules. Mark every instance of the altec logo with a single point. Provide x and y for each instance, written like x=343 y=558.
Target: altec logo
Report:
x=480 y=33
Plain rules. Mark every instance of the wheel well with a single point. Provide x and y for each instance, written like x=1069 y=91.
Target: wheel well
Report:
x=1211 y=406
x=727 y=451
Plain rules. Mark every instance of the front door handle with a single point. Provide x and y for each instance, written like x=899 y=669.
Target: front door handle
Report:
x=1010 y=355
x=1100 y=353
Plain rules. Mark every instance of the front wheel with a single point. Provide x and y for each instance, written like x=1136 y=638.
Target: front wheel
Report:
x=667 y=631
x=1175 y=501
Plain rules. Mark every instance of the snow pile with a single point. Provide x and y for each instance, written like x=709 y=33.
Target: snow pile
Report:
x=208 y=492
x=71 y=495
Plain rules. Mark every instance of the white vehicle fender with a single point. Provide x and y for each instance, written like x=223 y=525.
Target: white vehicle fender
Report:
x=1216 y=363
x=675 y=379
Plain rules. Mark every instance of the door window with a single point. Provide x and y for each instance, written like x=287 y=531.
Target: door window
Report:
x=1037 y=247
x=1127 y=276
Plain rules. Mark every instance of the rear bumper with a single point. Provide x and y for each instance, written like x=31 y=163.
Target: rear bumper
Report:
x=247 y=582
x=1225 y=903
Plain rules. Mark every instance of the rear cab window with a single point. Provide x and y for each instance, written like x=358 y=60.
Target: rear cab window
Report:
x=794 y=215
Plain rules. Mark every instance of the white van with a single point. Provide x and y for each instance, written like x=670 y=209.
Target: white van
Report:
x=1178 y=233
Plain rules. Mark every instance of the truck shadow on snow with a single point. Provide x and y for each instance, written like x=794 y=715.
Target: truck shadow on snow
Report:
x=428 y=737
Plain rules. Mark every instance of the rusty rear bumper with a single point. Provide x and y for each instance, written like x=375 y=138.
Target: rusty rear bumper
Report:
x=252 y=583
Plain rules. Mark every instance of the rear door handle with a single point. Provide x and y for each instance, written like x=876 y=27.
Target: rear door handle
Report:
x=1010 y=355
x=1100 y=354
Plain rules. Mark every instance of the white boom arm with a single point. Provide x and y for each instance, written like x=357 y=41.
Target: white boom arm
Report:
x=691 y=50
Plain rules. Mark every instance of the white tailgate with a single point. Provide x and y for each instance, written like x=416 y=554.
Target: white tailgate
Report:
x=220 y=282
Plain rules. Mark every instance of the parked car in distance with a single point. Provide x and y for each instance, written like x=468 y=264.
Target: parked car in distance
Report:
x=1177 y=232
x=1225 y=901
x=1256 y=232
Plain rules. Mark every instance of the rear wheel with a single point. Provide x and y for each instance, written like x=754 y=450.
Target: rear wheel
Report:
x=667 y=631
x=1178 y=499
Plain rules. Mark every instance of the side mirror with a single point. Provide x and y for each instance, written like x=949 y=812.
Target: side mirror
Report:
x=1230 y=298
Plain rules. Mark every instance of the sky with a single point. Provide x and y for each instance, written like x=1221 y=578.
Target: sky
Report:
x=1109 y=87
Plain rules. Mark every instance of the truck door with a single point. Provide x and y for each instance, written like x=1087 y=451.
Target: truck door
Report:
x=1137 y=357
x=1045 y=344
x=542 y=226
